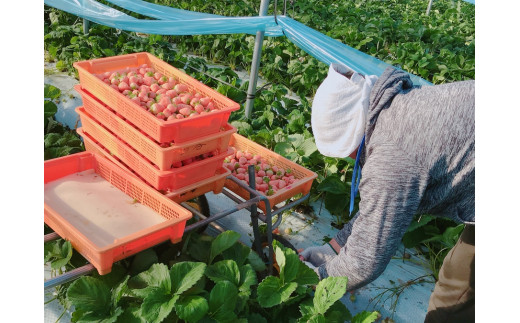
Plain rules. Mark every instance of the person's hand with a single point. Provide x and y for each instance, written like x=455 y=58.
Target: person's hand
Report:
x=318 y=255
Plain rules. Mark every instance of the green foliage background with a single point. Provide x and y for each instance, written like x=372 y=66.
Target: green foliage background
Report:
x=439 y=47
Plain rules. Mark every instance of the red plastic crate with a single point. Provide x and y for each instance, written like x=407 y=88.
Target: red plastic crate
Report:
x=83 y=232
x=213 y=184
x=303 y=176
x=170 y=180
x=163 y=157
x=180 y=130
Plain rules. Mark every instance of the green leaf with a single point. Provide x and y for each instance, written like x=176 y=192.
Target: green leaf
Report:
x=256 y=262
x=333 y=184
x=49 y=109
x=199 y=247
x=338 y=313
x=222 y=242
x=306 y=276
x=222 y=301
x=243 y=128
x=63 y=257
x=51 y=92
x=191 y=308
x=280 y=260
x=423 y=220
x=307 y=308
x=185 y=274
x=291 y=266
x=131 y=314
x=309 y=147
x=157 y=305
x=328 y=291
x=365 y=317
x=237 y=252
x=247 y=277
x=336 y=203
x=118 y=292
x=272 y=292
x=283 y=148
x=269 y=116
x=89 y=295
x=91 y=317
x=109 y=52
x=256 y=318
x=224 y=270
x=157 y=277
x=313 y=318
x=296 y=139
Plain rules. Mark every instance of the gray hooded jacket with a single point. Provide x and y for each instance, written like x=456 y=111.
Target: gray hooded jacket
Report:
x=419 y=158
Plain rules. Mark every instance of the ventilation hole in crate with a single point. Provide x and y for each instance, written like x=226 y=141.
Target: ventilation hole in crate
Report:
x=151 y=202
x=169 y=213
x=118 y=181
x=134 y=192
x=104 y=171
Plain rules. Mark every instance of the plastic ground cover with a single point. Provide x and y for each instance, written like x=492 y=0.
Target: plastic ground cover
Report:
x=171 y=21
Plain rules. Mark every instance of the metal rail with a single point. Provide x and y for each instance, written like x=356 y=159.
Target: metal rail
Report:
x=255 y=65
x=251 y=205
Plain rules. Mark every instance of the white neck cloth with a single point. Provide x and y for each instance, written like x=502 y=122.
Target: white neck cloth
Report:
x=339 y=111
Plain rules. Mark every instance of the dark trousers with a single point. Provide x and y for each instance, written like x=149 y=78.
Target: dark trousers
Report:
x=453 y=298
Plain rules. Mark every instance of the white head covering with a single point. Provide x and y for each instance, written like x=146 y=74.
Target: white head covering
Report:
x=339 y=111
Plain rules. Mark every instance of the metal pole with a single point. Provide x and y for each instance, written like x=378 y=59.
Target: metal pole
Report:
x=257 y=53
x=86 y=26
x=429 y=7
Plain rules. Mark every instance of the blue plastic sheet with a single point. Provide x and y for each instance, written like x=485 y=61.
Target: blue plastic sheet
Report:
x=172 y=21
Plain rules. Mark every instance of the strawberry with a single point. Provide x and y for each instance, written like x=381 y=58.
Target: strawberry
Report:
x=155 y=87
x=123 y=86
x=167 y=113
x=172 y=107
x=199 y=108
x=205 y=101
x=185 y=111
x=171 y=94
x=180 y=88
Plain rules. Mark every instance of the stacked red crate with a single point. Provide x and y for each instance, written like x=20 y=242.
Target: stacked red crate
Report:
x=173 y=150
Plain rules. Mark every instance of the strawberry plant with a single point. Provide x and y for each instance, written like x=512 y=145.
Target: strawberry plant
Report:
x=59 y=140
x=225 y=283
x=439 y=47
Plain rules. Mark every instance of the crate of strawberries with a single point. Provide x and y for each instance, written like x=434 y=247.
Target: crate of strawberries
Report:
x=164 y=102
x=276 y=177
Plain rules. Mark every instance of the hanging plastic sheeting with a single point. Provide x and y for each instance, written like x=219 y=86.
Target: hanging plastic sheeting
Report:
x=173 y=21
x=177 y=24
x=331 y=51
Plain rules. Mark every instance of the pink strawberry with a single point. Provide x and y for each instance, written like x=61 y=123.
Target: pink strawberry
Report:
x=185 y=111
x=167 y=113
x=165 y=101
x=171 y=107
x=180 y=88
x=154 y=87
x=205 y=101
x=199 y=108
x=123 y=86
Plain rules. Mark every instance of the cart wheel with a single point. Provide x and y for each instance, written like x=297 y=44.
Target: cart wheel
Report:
x=201 y=204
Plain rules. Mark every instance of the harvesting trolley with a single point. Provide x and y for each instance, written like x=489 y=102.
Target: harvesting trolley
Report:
x=200 y=212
